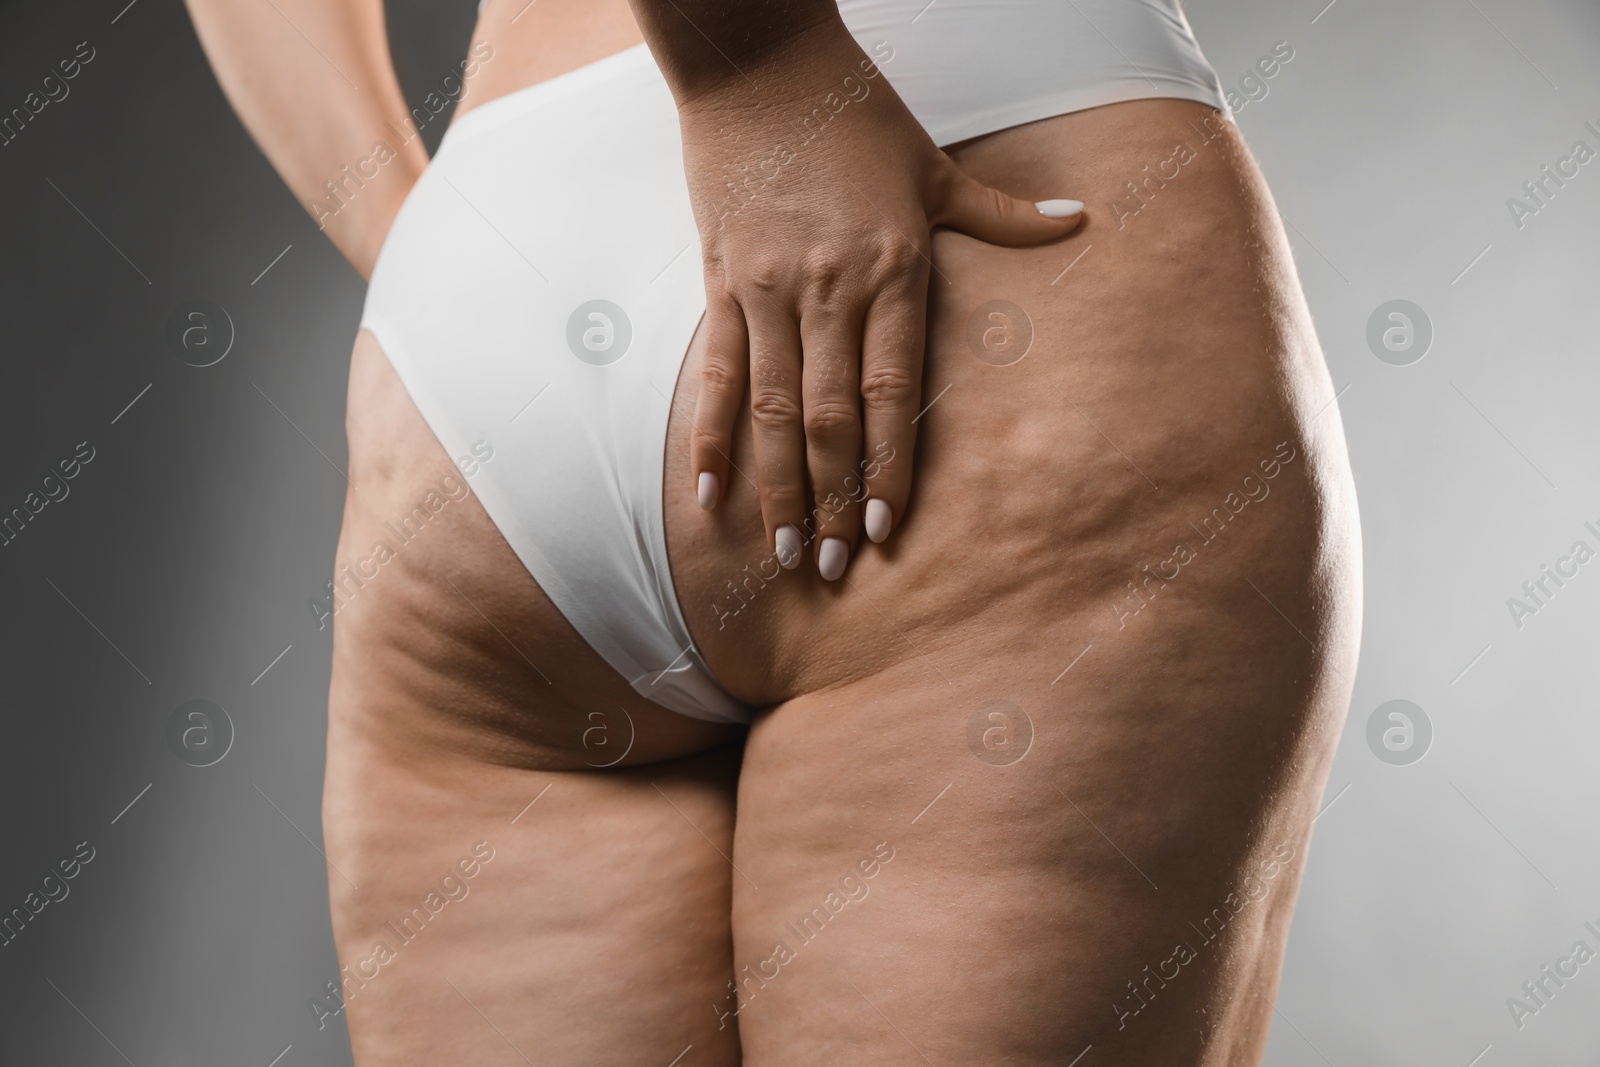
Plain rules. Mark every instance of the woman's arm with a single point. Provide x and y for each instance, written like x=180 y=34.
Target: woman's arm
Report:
x=815 y=191
x=313 y=82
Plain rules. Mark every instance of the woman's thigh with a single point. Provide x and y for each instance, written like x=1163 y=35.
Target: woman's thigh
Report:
x=527 y=862
x=1075 y=715
x=496 y=915
x=1109 y=859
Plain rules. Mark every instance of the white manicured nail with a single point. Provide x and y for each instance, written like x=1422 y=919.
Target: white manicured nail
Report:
x=788 y=547
x=831 y=560
x=878 y=520
x=1059 y=209
x=707 y=489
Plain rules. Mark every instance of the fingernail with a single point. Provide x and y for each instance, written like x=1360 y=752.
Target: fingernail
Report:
x=707 y=489
x=831 y=560
x=1059 y=209
x=788 y=539
x=878 y=519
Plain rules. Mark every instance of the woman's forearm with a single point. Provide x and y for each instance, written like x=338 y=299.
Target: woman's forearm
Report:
x=313 y=82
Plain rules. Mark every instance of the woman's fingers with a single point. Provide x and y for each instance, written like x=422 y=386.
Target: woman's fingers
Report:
x=984 y=212
x=776 y=410
x=721 y=396
x=836 y=383
x=830 y=334
x=891 y=390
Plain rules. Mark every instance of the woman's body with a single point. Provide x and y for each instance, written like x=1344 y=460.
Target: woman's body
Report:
x=1031 y=907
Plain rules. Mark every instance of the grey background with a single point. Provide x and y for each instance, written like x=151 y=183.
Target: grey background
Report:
x=180 y=563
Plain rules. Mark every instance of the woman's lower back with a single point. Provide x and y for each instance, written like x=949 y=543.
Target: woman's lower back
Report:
x=1084 y=699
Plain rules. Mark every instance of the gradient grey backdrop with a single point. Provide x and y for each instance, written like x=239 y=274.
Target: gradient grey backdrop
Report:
x=180 y=564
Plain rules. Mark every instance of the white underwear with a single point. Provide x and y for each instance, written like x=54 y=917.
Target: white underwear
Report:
x=541 y=284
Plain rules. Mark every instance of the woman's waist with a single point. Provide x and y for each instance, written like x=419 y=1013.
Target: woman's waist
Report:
x=962 y=70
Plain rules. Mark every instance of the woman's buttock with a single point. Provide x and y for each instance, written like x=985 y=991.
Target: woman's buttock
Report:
x=1127 y=436
x=1133 y=521
x=1088 y=693
x=1121 y=427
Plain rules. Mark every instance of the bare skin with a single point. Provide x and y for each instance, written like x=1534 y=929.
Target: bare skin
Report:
x=1028 y=907
x=317 y=110
x=815 y=298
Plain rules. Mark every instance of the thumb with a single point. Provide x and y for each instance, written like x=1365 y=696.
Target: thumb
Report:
x=988 y=214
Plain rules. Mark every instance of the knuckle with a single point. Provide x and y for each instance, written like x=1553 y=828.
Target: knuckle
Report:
x=899 y=259
x=832 y=423
x=773 y=409
x=996 y=201
x=765 y=279
x=825 y=277
x=717 y=379
x=887 y=387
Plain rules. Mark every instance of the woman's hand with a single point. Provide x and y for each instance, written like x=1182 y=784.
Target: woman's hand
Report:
x=815 y=191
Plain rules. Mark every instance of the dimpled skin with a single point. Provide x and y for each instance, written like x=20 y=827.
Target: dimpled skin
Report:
x=1132 y=555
